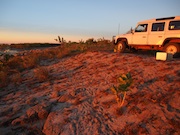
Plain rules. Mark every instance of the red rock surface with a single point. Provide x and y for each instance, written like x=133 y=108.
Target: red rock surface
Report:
x=76 y=99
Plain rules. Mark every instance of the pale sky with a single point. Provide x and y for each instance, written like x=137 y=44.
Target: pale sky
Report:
x=41 y=21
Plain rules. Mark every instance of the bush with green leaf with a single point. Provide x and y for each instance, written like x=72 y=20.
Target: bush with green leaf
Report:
x=124 y=82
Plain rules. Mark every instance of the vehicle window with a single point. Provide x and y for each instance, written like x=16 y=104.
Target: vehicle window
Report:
x=158 y=26
x=174 y=25
x=141 y=28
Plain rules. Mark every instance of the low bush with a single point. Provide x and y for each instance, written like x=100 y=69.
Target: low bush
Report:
x=41 y=74
x=16 y=78
x=15 y=63
x=34 y=58
x=30 y=61
x=3 y=79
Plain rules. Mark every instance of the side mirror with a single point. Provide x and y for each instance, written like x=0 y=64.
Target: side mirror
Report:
x=132 y=31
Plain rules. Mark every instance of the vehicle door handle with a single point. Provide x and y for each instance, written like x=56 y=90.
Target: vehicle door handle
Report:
x=144 y=37
x=160 y=36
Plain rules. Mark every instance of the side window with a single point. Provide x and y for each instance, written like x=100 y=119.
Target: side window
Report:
x=141 y=28
x=174 y=25
x=158 y=26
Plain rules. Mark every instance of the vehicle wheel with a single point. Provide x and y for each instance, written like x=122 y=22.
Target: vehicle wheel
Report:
x=172 y=48
x=120 y=47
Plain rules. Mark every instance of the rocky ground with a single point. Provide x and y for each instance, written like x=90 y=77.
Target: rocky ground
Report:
x=76 y=97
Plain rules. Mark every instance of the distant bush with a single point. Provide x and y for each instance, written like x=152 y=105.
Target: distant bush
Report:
x=30 y=61
x=33 y=58
x=41 y=74
x=15 y=63
x=90 y=41
x=31 y=45
x=4 y=46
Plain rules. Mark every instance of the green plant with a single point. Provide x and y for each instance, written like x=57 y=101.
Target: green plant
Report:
x=124 y=82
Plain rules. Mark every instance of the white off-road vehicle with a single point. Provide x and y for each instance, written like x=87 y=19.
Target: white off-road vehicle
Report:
x=161 y=34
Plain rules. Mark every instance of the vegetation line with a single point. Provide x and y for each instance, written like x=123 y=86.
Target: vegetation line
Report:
x=33 y=59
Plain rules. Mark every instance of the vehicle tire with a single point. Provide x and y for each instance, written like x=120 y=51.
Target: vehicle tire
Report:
x=172 y=48
x=120 y=47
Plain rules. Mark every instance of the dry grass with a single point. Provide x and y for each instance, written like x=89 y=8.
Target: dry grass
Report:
x=15 y=63
x=30 y=61
x=34 y=58
x=16 y=78
x=3 y=78
x=41 y=74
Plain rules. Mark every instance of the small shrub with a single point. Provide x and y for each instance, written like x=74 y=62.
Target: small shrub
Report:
x=124 y=82
x=63 y=52
x=7 y=57
x=16 y=78
x=15 y=63
x=90 y=41
x=82 y=48
x=48 y=54
x=30 y=61
x=41 y=74
x=3 y=78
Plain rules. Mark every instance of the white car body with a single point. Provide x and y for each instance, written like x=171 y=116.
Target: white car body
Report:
x=153 y=34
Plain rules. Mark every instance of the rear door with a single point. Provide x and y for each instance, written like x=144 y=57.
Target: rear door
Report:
x=173 y=29
x=156 y=35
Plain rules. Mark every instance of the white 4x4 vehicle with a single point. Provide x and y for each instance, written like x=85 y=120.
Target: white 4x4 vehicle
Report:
x=156 y=34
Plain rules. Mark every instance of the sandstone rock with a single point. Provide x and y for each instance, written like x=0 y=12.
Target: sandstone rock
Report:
x=19 y=121
x=32 y=101
x=55 y=94
x=31 y=112
x=40 y=111
x=54 y=124
x=175 y=101
x=64 y=98
x=43 y=113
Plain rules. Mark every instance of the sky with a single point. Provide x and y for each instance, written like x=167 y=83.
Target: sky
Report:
x=41 y=21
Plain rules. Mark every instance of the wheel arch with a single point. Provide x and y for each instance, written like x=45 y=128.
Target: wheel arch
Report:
x=123 y=40
x=171 y=40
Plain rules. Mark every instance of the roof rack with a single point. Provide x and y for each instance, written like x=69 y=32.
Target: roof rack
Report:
x=166 y=18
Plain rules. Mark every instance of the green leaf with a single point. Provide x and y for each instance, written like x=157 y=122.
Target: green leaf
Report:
x=124 y=77
x=128 y=75
x=123 y=87
x=121 y=80
x=114 y=89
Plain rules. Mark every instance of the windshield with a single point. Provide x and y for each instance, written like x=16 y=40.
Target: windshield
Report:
x=129 y=31
x=141 y=28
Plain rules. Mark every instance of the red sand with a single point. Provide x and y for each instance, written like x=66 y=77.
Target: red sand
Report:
x=76 y=98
